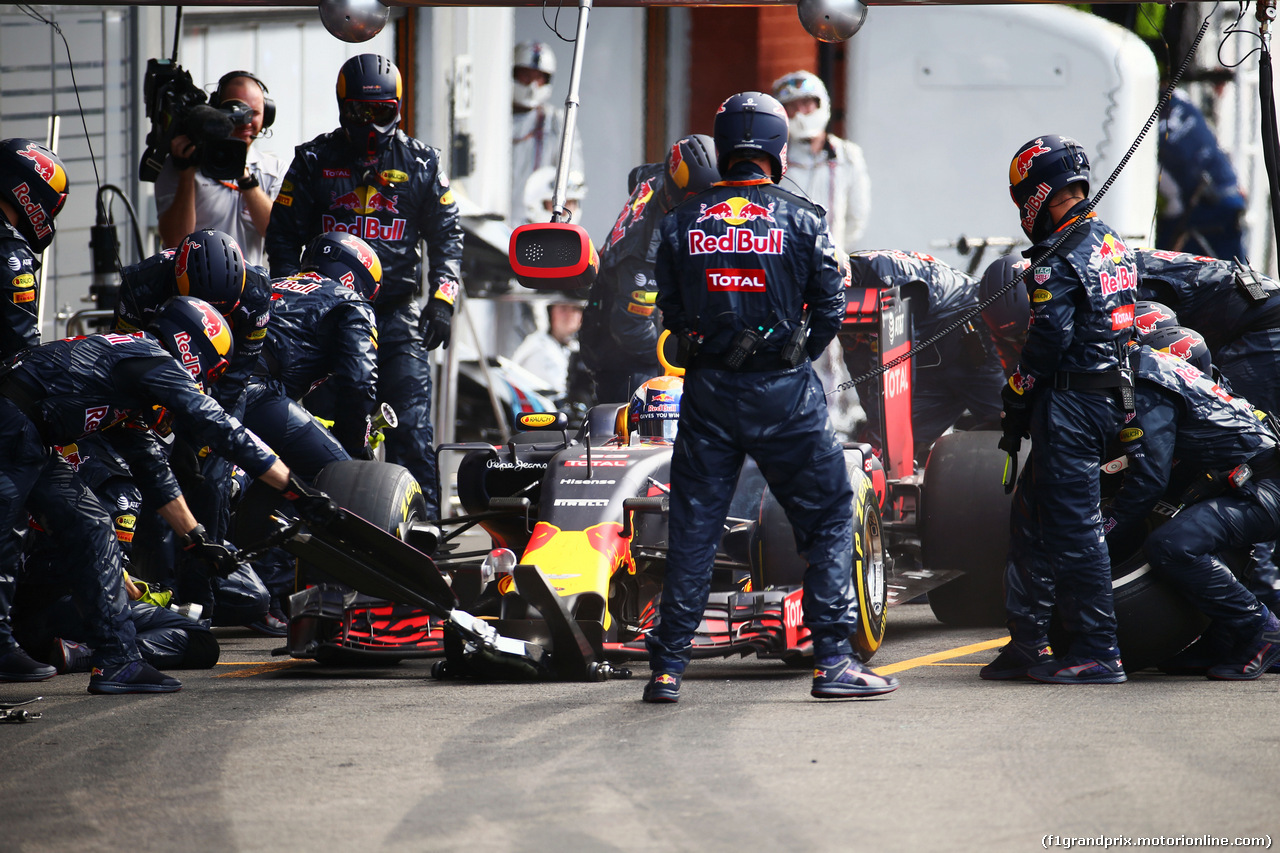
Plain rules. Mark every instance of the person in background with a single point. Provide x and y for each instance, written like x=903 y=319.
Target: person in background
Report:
x=830 y=171
x=537 y=125
x=547 y=354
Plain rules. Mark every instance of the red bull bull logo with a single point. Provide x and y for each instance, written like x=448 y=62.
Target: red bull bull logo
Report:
x=1022 y=162
x=1148 y=320
x=184 y=257
x=661 y=397
x=1111 y=249
x=1182 y=347
x=749 y=281
x=46 y=167
x=364 y=201
x=736 y=211
x=362 y=252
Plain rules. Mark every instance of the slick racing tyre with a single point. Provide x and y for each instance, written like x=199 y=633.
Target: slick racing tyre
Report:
x=868 y=571
x=964 y=525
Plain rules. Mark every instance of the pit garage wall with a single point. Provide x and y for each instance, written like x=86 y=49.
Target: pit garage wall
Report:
x=940 y=98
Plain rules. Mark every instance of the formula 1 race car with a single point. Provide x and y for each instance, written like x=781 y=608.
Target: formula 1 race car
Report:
x=583 y=515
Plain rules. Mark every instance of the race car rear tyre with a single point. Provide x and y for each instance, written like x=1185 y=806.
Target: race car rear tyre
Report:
x=868 y=572
x=964 y=525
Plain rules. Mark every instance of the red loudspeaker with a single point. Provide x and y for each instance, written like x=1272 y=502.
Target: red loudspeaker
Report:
x=553 y=256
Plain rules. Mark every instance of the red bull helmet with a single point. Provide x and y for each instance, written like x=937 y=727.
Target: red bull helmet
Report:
x=346 y=259
x=752 y=123
x=1186 y=344
x=34 y=181
x=1149 y=316
x=1009 y=316
x=370 y=90
x=691 y=168
x=654 y=411
x=1043 y=166
x=196 y=335
x=209 y=265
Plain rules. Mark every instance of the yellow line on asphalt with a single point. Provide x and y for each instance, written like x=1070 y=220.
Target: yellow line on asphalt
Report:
x=254 y=669
x=936 y=657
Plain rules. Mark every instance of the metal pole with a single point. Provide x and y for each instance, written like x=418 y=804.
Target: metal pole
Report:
x=559 y=214
x=51 y=142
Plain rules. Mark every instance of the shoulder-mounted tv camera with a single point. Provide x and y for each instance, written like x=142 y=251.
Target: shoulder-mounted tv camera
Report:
x=176 y=106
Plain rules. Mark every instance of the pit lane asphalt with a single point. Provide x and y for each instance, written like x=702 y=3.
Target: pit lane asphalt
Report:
x=264 y=753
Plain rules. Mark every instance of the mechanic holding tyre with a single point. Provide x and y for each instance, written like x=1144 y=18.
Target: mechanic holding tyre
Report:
x=1238 y=312
x=736 y=266
x=370 y=179
x=1070 y=395
x=124 y=385
x=1181 y=411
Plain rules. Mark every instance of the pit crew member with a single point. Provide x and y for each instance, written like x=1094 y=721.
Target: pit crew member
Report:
x=33 y=189
x=1069 y=394
x=59 y=392
x=736 y=266
x=620 y=325
x=370 y=179
x=960 y=372
x=1181 y=412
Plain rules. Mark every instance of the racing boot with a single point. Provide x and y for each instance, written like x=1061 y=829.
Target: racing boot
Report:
x=1255 y=658
x=17 y=665
x=1015 y=661
x=133 y=677
x=845 y=676
x=1075 y=670
x=663 y=687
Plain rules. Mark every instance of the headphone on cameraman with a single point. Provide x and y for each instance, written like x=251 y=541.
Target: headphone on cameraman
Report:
x=268 y=105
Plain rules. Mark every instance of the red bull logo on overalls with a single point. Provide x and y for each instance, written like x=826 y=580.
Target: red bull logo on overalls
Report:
x=736 y=211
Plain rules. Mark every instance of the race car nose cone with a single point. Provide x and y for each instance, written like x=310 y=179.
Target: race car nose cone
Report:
x=832 y=20
x=353 y=20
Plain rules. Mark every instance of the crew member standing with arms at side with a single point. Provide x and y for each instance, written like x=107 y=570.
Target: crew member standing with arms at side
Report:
x=370 y=179
x=736 y=267
x=1070 y=394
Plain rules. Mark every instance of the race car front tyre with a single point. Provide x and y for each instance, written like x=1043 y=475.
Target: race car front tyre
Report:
x=868 y=571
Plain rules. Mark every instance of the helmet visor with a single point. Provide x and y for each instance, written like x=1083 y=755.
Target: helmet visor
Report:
x=380 y=113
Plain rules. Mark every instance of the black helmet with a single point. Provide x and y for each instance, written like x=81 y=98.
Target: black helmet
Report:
x=691 y=168
x=1186 y=344
x=1043 y=166
x=1149 y=316
x=346 y=259
x=1009 y=316
x=208 y=265
x=752 y=123
x=196 y=335
x=33 y=180
x=369 y=92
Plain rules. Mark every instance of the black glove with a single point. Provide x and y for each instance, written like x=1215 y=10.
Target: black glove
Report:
x=220 y=556
x=1015 y=420
x=313 y=505
x=435 y=323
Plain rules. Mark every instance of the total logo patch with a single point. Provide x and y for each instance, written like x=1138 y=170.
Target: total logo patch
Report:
x=743 y=281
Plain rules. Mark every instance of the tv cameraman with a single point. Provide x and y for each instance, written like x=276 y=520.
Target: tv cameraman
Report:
x=188 y=200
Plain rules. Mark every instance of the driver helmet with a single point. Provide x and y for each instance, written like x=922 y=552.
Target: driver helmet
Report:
x=1149 y=316
x=196 y=335
x=752 y=123
x=796 y=86
x=346 y=259
x=1041 y=168
x=34 y=181
x=370 y=90
x=1186 y=344
x=209 y=265
x=654 y=412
